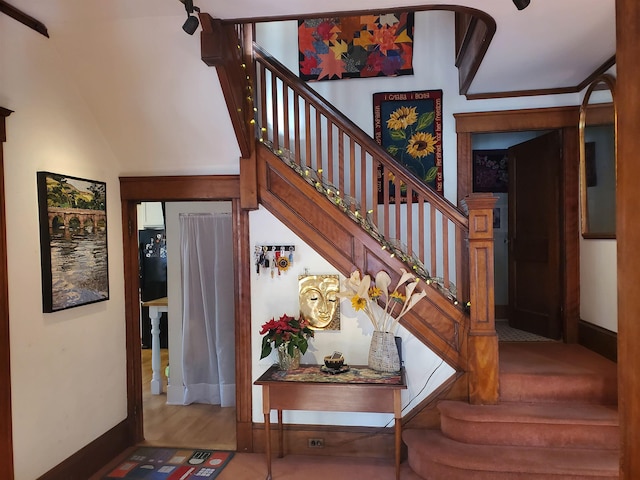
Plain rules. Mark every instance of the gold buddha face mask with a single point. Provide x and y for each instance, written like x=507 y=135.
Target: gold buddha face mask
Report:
x=319 y=302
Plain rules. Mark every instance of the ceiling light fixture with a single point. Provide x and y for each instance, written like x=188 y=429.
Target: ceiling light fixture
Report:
x=521 y=4
x=191 y=24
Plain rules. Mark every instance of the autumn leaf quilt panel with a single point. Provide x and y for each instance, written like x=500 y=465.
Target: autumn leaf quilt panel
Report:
x=356 y=47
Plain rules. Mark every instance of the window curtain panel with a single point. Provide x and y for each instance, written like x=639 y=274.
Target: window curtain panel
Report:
x=208 y=341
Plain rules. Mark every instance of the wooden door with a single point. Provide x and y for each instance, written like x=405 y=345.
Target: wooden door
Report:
x=534 y=235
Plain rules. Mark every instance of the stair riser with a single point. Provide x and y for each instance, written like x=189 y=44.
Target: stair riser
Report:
x=435 y=471
x=533 y=435
x=434 y=456
x=554 y=389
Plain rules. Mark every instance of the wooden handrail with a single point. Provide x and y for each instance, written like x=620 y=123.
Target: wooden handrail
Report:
x=352 y=130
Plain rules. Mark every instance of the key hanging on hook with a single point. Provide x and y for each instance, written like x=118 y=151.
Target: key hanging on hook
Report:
x=272 y=263
x=277 y=256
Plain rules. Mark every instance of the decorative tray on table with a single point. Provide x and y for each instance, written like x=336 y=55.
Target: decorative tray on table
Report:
x=334 y=371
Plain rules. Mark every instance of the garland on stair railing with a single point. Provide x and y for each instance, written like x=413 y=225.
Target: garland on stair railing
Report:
x=351 y=208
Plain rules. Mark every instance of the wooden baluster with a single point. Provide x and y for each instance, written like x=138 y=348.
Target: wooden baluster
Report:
x=296 y=119
x=363 y=182
x=341 y=163
x=462 y=265
x=274 y=113
x=445 y=251
x=434 y=243
x=397 y=205
x=318 y=142
x=421 y=238
x=385 y=200
x=330 y=176
x=264 y=134
x=307 y=130
x=375 y=191
x=352 y=172
x=409 y=221
x=285 y=117
x=482 y=342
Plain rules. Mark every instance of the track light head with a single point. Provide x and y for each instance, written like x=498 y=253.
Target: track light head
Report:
x=521 y=4
x=191 y=24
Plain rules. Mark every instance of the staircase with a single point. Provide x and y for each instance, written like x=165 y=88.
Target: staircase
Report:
x=531 y=411
x=557 y=419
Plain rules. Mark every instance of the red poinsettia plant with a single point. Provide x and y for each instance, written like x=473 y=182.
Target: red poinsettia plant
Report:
x=290 y=331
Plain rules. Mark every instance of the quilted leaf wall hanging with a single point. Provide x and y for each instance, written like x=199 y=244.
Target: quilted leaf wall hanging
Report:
x=356 y=47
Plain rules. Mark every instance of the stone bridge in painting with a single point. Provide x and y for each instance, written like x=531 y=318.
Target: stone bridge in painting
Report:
x=85 y=217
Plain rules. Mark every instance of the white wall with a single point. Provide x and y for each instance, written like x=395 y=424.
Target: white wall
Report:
x=67 y=368
x=599 y=283
x=98 y=101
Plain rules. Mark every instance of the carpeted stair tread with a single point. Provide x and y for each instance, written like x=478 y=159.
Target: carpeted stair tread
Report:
x=434 y=456
x=527 y=424
x=555 y=372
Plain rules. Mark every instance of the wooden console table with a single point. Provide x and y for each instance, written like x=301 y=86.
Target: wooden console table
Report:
x=308 y=388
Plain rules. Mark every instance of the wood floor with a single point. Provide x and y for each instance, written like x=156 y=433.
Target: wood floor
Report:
x=196 y=425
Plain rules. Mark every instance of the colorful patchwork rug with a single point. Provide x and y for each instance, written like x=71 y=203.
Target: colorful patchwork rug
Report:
x=164 y=463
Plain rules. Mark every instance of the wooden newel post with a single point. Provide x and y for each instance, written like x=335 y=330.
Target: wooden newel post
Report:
x=482 y=345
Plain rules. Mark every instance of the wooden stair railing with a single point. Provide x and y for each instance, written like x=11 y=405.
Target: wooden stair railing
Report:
x=345 y=165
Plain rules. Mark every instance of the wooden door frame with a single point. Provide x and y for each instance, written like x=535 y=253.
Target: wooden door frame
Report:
x=6 y=431
x=555 y=118
x=134 y=190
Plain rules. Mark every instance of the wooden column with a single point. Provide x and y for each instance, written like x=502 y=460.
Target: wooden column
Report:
x=627 y=97
x=229 y=48
x=482 y=345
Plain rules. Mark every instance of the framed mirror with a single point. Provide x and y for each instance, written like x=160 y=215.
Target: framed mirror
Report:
x=597 y=129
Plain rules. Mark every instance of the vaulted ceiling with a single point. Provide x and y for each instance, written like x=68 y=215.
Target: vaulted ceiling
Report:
x=549 y=45
x=144 y=84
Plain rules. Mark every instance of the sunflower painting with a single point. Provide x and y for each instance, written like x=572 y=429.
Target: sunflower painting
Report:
x=409 y=126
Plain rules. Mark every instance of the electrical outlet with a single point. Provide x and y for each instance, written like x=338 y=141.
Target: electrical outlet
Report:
x=315 y=442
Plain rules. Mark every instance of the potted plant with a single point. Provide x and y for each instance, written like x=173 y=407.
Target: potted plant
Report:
x=289 y=336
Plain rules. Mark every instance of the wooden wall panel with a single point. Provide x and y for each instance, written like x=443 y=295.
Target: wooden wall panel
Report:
x=628 y=233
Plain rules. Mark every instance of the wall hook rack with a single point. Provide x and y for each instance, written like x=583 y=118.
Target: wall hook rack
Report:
x=274 y=258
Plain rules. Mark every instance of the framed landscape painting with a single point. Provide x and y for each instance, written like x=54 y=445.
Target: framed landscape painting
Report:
x=73 y=241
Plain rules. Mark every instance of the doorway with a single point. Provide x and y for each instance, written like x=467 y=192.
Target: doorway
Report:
x=565 y=121
x=522 y=170
x=134 y=190
x=176 y=414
